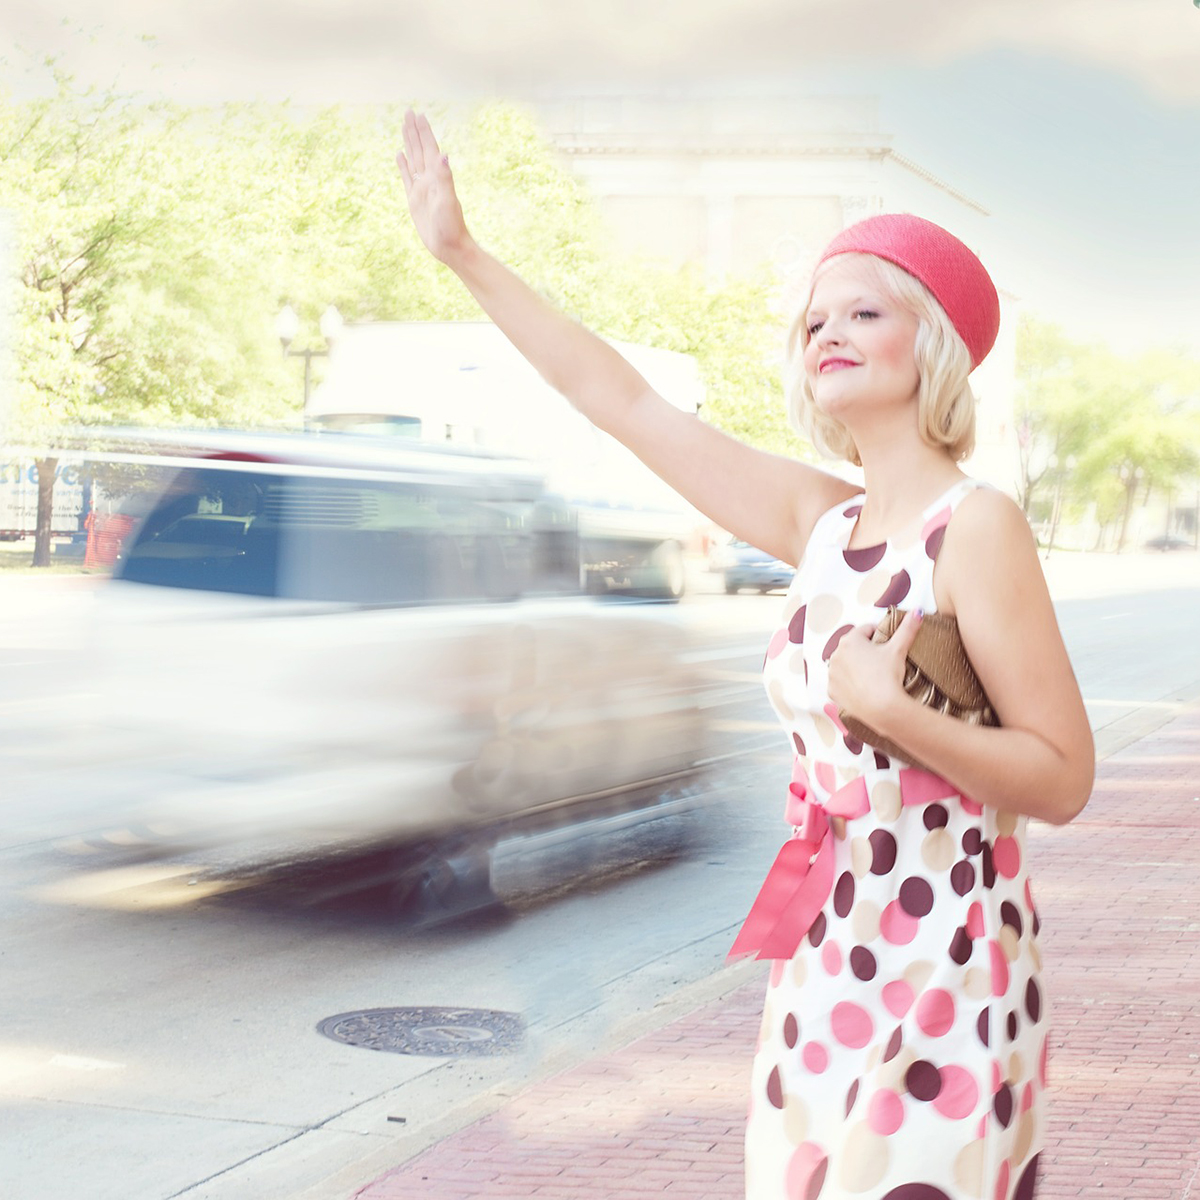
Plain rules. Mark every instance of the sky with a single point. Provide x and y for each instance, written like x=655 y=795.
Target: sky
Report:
x=1075 y=123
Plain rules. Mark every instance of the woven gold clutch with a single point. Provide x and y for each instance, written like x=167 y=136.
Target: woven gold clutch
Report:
x=937 y=673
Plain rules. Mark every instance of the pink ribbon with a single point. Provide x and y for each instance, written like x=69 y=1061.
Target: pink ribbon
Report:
x=801 y=877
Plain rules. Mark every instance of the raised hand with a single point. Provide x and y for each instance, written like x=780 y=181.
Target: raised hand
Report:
x=429 y=188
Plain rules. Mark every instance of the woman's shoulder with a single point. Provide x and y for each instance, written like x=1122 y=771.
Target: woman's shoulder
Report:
x=988 y=537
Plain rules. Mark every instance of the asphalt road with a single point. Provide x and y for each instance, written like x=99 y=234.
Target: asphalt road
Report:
x=159 y=1018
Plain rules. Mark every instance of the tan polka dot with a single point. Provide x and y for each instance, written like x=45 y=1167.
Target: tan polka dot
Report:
x=826 y=729
x=864 y=1162
x=1006 y=823
x=775 y=691
x=968 y=1168
x=838 y=825
x=799 y=970
x=865 y=918
x=938 y=849
x=891 y=1074
x=1010 y=943
x=873 y=586
x=795 y=1119
x=977 y=983
x=874 y=1057
x=1016 y=1068
x=824 y=614
x=885 y=800
x=790 y=609
x=1026 y=1127
x=917 y=975
x=861 y=856
x=1035 y=954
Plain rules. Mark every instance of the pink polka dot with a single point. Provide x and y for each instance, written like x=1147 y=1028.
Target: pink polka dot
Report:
x=776 y=644
x=831 y=957
x=1002 y=1182
x=981 y=1132
x=975 y=920
x=826 y=777
x=939 y=519
x=1029 y=896
x=886 y=1112
x=935 y=1012
x=959 y=1094
x=1027 y=1098
x=999 y=969
x=778 y=966
x=1006 y=854
x=971 y=807
x=851 y=1024
x=806 y=1170
x=896 y=925
x=1044 y=1062
x=897 y=997
x=831 y=711
x=815 y=1056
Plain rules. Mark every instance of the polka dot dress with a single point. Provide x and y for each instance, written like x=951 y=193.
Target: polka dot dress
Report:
x=902 y=1053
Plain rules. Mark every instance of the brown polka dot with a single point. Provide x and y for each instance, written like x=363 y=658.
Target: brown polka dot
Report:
x=796 y=625
x=961 y=946
x=816 y=933
x=835 y=637
x=916 y=896
x=843 y=894
x=865 y=558
x=1011 y=915
x=798 y=741
x=882 y=762
x=851 y=1096
x=1033 y=1001
x=896 y=590
x=935 y=816
x=938 y=850
x=883 y=851
x=852 y=744
x=1002 y=1105
x=917 y=1191
x=791 y=1031
x=1011 y=1027
x=989 y=865
x=1027 y=1184
x=972 y=841
x=923 y=1080
x=775 y=1088
x=983 y=1026
x=962 y=876
x=885 y=800
x=894 y=1044
x=862 y=963
x=933 y=543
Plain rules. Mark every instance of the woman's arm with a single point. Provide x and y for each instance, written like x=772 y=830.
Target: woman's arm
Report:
x=768 y=500
x=1041 y=760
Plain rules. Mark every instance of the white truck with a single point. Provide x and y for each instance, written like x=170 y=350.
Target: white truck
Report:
x=463 y=382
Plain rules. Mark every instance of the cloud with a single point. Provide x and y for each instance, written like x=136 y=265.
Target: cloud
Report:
x=389 y=49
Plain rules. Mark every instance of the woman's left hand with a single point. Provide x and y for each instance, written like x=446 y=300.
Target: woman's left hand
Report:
x=866 y=677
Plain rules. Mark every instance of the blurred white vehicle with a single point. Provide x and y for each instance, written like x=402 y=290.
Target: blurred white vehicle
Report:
x=349 y=641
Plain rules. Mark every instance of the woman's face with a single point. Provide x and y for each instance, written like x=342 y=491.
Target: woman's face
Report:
x=860 y=355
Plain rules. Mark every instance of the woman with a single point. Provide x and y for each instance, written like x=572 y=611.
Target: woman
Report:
x=902 y=1050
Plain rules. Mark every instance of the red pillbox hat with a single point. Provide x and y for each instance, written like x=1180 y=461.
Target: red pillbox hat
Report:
x=957 y=279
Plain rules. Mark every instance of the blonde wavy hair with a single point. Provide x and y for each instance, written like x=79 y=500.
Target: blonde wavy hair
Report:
x=945 y=402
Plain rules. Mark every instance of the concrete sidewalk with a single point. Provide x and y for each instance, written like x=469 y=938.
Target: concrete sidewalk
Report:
x=1119 y=895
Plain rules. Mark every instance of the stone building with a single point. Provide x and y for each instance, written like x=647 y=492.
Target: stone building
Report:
x=734 y=183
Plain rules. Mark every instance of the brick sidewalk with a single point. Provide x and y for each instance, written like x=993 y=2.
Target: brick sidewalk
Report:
x=1120 y=901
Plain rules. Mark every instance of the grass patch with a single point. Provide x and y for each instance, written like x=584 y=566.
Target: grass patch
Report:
x=17 y=558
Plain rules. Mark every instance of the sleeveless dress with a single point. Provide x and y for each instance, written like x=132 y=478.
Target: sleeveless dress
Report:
x=902 y=1053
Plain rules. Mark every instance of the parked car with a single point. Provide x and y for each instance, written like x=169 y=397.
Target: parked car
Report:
x=746 y=566
x=355 y=642
x=1169 y=541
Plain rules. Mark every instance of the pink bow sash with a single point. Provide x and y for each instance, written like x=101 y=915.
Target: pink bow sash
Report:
x=801 y=877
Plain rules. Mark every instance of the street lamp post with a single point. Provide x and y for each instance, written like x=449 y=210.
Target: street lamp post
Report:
x=287 y=325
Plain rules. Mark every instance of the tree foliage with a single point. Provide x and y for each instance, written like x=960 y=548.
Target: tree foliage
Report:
x=1096 y=426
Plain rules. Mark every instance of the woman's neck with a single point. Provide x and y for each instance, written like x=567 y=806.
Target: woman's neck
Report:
x=901 y=481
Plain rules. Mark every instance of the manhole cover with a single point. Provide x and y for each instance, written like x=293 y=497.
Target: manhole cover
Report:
x=432 y=1032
